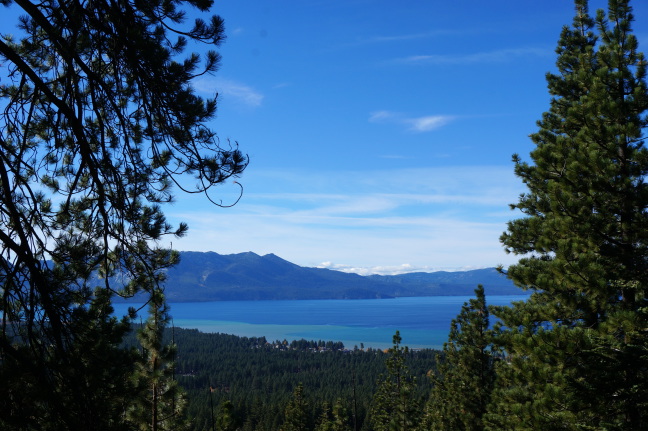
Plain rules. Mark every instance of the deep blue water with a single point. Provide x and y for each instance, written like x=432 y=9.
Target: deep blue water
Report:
x=422 y=322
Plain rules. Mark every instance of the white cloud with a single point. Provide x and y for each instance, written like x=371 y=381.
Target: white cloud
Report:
x=366 y=245
x=405 y=268
x=497 y=56
x=415 y=124
x=393 y=156
x=426 y=124
x=371 y=221
x=403 y=37
x=379 y=116
x=281 y=85
x=242 y=93
x=319 y=207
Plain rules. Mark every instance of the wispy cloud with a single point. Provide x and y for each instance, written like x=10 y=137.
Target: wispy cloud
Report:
x=324 y=206
x=240 y=92
x=281 y=85
x=410 y=36
x=404 y=268
x=378 y=116
x=327 y=186
x=496 y=56
x=414 y=124
x=393 y=156
x=387 y=38
x=395 y=38
x=383 y=221
x=426 y=124
x=358 y=244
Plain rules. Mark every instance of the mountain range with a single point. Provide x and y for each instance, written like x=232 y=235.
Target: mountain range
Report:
x=248 y=276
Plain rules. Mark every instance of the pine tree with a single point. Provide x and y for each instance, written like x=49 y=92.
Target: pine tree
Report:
x=160 y=402
x=225 y=420
x=99 y=121
x=465 y=372
x=324 y=420
x=577 y=348
x=340 y=420
x=395 y=406
x=100 y=370
x=296 y=412
x=335 y=420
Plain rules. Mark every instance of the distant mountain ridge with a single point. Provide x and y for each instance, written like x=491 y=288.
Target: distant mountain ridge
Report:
x=209 y=276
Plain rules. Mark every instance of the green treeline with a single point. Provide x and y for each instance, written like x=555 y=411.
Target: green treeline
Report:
x=256 y=378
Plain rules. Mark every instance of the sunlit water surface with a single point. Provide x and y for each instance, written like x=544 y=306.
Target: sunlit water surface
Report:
x=422 y=322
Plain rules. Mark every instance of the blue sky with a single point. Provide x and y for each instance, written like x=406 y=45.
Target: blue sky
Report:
x=380 y=133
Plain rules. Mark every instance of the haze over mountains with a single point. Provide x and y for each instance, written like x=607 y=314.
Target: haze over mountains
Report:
x=247 y=276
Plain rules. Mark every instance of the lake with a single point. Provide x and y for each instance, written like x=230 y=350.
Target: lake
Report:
x=423 y=322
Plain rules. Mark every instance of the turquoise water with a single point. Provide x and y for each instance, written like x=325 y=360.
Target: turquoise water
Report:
x=422 y=322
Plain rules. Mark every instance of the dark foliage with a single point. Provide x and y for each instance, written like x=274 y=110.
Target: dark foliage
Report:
x=98 y=121
x=464 y=382
x=258 y=377
x=577 y=348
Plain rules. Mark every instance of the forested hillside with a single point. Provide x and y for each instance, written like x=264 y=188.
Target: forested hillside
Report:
x=247 y=276
x=251 y=380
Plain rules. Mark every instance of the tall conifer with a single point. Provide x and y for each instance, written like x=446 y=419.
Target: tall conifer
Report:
x=464 y=381
x=395 y=406
x=226 y=421
x=160 y=404
x=296 y=411
x=577 y=348
x=335 y=419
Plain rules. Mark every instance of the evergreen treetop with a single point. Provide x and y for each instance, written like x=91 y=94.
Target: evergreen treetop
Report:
x=395 y=405
x=574 y=347
x=465 y=375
